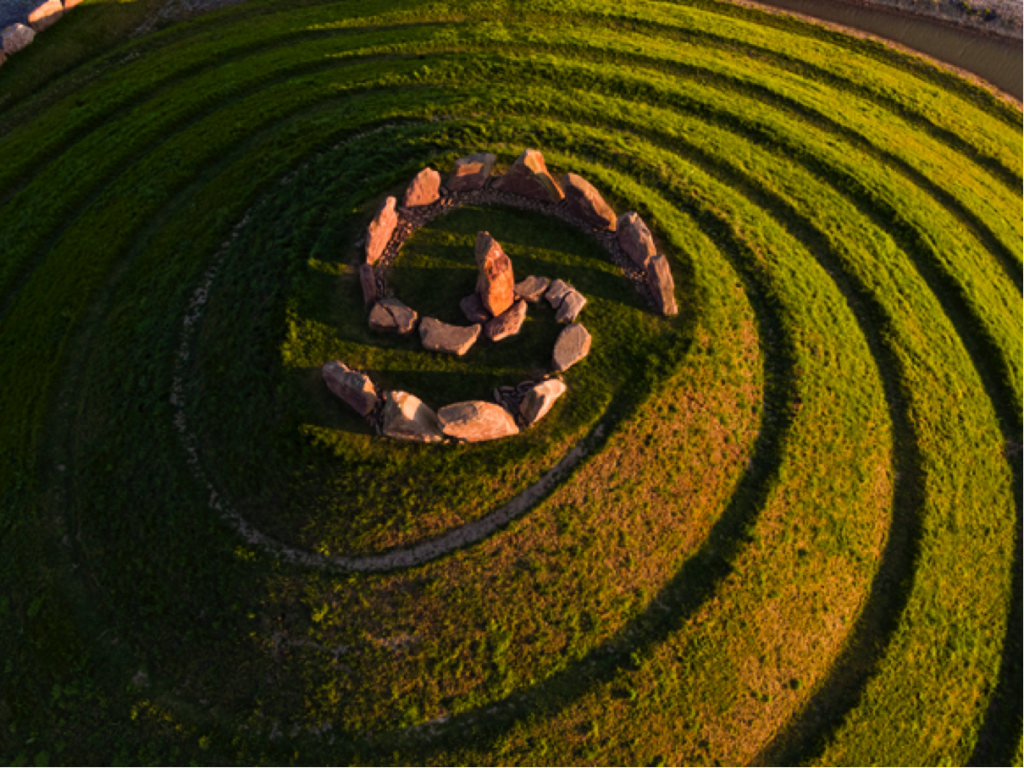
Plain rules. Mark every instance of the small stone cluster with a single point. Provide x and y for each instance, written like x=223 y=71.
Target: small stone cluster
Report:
x=17 y=36
x=498 y=307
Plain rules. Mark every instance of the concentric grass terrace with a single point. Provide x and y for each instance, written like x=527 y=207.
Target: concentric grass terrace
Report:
x=795 y=538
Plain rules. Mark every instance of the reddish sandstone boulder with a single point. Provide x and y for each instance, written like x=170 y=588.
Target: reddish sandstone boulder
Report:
x=529 y=177
x=407 y=418
x=495 y=283
x=659 y=280
x=451 y=339
x=16 y=37
x=475 y=421
x=571 y=346
x=45 y=15
x=540 y=399
x=635 y=239
x=507 y=323
x=353 y=387
x=471 y=172
x=69 y=4
x=587 y=203
x=424 y=189
x=379 y=232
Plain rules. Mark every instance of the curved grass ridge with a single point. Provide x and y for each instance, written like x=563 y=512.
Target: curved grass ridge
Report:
x=803 y=522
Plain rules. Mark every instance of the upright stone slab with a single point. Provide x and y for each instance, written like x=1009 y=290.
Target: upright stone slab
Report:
x=353 y=387
x=587 y=203
x=407 y=418
x=635 y=239
x=424 y=189
x=529 y=177
x=16 y=37
x=571 y=346
x=659 y=280
x=45 y=15
x=475 y=421
x=495 y=283
x=471 y=172
x=380 y=230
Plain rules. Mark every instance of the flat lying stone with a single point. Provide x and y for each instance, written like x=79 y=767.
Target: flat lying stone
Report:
x=532 y=288
x=379 y=232
x=507 y=323
x=587 y=203
x=392 y=315
x=16 y=37
x=424 y=189
x=471 y=172
x=45 y=15
x=570 y=307
x=540 y=399
x=452 y=339
x=529 y=177
x=635 y=238
x=353 y=387
x=495 y=282
x=368 y=282
x=659 y=280
x=473 y=308
x=571 y=346
x=557 y=292
x=475 y=421
x=407 y=418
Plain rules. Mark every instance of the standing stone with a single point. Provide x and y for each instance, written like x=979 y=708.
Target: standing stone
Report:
x=571 y=346
x=379 y=232
x=529 y=177
x=473 y=308
x=635 y=239
x=353 y=387
x=659 y=280
x=407 y=418
x=495 y=283
x=471 y=172
x=476 y=420
x=569 y=310
x=69 y=4
x=532 y=288
x=559 y=290
x=392 y=315
x=452 y=339
x=424 y=189
x=368 y=282
x=16 y=37
x=45 y=15
x=587 y=203
x=539 y=399
x=507 y=323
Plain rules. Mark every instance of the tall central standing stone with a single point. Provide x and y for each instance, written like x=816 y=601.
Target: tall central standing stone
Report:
x=494 y=283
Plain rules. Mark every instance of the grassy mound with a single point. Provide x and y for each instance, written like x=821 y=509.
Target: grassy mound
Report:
x=794 y=537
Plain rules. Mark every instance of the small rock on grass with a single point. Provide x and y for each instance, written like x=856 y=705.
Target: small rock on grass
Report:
x=424 y=189
x=571 y=346
x=532 y=288
x=659 y=280
x=473 y=308
x=392 y=315
x=471 y=172
x=539 y=400
x=16 y=37
x=379 y=232
x=451 y=339
x=587 y=203
x=475 y=421
x=635 y=238
x=507 y=323
x=559 y=290
x=353 y=387
x=407 y=418
x=570 y=307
